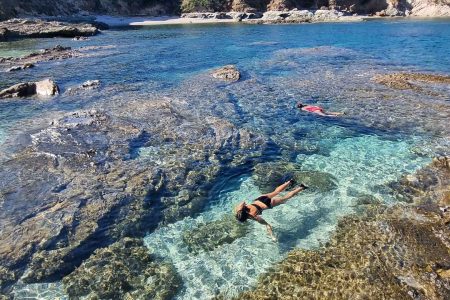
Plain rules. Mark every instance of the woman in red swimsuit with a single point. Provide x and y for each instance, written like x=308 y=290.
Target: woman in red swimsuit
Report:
x=253 y=211
x=317 y=110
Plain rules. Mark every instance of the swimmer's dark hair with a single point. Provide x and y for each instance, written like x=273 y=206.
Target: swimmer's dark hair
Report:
x=242 y=215
x=300 y=105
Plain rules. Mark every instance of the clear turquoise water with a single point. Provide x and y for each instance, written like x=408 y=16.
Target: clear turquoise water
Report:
x=382 y=136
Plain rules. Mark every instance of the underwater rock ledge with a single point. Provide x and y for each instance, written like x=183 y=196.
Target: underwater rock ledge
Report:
x=394 y=252
x=86 y=181
x=124 y=270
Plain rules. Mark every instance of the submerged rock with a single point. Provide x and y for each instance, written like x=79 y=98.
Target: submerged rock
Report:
x=124 y=270
x=409 y=81
x=209 y=236
x=45 y=87
x=426 y=185
x=229 y=73
x=268 y=176
x=82 y=182
x=35 y=28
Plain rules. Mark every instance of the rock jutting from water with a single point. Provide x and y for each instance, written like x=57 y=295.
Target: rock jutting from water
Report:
x=35 y=28
x=393 y=252
x=228 y=73
x=209 y=236
x=124 y=270
x=86 y=178
x=45 y=87
x=85 y=86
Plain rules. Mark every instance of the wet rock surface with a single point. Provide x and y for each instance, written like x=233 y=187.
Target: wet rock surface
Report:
x=91 y=177
x=85 y=86
x=56 y=53
x=394 y=252
x=411 y=81
x=209 y=236
x=45 y=87
x=35 y=28
x=268 y=176
x=426 y=185
x=124 y=270
x=228 y=73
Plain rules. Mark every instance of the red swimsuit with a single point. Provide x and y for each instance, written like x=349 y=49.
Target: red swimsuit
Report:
x=312 y=108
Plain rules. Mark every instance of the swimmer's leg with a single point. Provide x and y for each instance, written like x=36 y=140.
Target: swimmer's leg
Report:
x=278 y=190
x=280 y=200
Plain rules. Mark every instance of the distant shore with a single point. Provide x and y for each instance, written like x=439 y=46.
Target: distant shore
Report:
x=117 y=21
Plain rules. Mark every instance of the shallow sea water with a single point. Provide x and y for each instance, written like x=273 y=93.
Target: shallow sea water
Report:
x=326 y=64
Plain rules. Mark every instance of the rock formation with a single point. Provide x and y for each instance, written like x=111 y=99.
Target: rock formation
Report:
x=20 y=28
x=85 y=86
x=45 y=87
x=56 y=53
x=229 y=73
x=268 y=176
x=409 y=81
x=124 y=270
x=85 y=182
x=211 y=235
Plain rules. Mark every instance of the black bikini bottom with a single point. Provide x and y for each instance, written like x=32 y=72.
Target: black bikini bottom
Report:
x=266 y=200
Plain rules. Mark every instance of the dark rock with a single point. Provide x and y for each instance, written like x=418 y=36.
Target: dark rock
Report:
x=124 y=270
x=3 y=34
x=268 y=176
x=35 y=28
x=209 y=236
x=229 y=73
x=82 y=182
x=18 y=68
x=45 y=87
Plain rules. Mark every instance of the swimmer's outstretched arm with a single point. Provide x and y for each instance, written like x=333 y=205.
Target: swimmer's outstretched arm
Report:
x=260 y=220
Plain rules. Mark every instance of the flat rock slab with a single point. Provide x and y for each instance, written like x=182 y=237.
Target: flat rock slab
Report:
x=35 y=28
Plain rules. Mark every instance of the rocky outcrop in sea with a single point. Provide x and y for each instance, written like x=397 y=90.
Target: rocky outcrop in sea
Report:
x=36 y=28
x=44 y=87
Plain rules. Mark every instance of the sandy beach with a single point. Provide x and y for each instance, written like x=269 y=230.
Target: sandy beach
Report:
x=164 y=20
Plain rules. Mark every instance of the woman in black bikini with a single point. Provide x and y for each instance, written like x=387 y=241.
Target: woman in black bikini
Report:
x=253 y=211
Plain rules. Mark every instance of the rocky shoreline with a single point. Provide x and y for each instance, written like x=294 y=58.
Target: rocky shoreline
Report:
x=279 y=17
